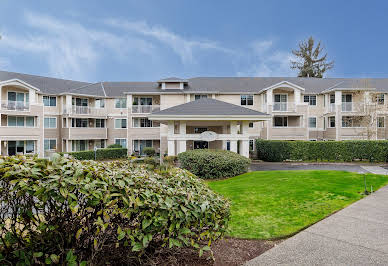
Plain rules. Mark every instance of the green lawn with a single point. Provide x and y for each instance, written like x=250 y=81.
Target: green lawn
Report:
x=273 y=204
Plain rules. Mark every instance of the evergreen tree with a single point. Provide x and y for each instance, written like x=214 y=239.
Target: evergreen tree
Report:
x=309 y=62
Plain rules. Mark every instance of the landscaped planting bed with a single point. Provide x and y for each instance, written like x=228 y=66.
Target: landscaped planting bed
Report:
x=277 y=204
x=343 y=151
x=67 y=211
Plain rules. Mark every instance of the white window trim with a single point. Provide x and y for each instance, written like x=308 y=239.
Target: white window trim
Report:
x=308 y=103
x=253 y=99
x=56 y=144
x=56 y=122
x=316 y=122
x=56 y=100
x=100 y=99
x=25 y=122
x=378 y=121
x=133 y=123
x=328 y=122
x=122 y=108
x=126 y=141
x=121 y=127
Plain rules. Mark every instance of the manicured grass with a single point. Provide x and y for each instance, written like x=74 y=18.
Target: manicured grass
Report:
x=274 y=204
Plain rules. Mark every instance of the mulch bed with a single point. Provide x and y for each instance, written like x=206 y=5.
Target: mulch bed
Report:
x=229 y=251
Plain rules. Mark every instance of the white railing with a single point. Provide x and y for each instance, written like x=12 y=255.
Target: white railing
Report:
x=15 y=106
x=347 y=106
x=144 y=109
x=283 y=107
x=332 y=108
x=84 y=110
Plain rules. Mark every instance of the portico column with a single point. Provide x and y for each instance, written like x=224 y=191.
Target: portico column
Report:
x=297 y=96
x=338 y=112
x=233 y=132
x=244 y=148
x=233 y=145
x=182 y=131
x=171 y=143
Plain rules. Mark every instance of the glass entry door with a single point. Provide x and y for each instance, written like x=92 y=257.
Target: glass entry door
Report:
x=201 y=144
x=15 y=147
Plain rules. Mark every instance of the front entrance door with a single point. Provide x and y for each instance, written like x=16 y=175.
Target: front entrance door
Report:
x=201 y=144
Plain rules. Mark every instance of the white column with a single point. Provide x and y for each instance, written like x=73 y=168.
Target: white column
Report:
x=269 y=97
x=296 y=96
x=171 y=143
x=130 y=102
x=338 y=111
x=1 y=92
x=68 y=103
x=233 y=127
x=181 y=85
x=233 y=145
x=244 y=127
x=244 y=148
x=188 y=98
x=32 y=96
x=171 y=148
x=182 y=131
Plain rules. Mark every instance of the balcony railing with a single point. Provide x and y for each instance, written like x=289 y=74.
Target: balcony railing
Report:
x=85 y=110
x=347 y=107
x=332 y=107
x=283 y=107
x=15 y=106
x=144 y=109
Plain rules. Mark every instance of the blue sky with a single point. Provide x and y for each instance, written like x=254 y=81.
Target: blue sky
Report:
x=147 y=40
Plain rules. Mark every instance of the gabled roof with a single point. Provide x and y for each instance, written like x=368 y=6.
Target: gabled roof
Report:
x=207 y=107
x=95 y=89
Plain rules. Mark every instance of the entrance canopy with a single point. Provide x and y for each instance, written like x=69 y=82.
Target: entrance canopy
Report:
x=208 y=109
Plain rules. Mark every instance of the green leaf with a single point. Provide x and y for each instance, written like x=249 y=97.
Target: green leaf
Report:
x=146 y=223
x=78 y=234
x=54 y=258
x=38 y=254
x=137 y=247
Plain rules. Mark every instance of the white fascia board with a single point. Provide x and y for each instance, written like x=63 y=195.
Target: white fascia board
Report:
x=16 y=81
x=211 y=117
x=282 y=84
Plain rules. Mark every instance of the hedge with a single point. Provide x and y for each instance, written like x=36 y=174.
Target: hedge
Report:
x=346 y=151
x=71 y=212
x=211 y=164
x=101 y=154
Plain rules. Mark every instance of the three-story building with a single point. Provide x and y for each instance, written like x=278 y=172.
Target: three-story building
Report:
x=42 y=115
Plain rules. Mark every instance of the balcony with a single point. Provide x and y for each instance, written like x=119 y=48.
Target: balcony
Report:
x=85 y=110
x=144 y=109
x=85 y=133
x=20 y=131
x=15 y=106
x=353 y=107
x=283 y=107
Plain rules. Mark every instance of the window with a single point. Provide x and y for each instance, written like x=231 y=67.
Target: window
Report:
x=312 y=122
x=251 y=125
x=99 y=103
x=200 y=96
x=80 y=102
x=121 y=103
x=228 y=145
x=380 y=98
x=79 y=122
x=30 y=146
x=347 y=105
x=350 y=121
x=99 y=143
x=199 y=130
x=332 y=98
x=80 y=145
x=139 y=145
x=142 y=101
x=280 y=121
x=246 y=99
x=251 y=145
x=381 y=121
x=310 y=99
x=280 y=103
x=121 y=123
x=50 y=122
x=100 y=123
x=331 y=121
x=122 y=142
x=143 y=122
x=50 y=101
x=50 y=144
x=20 y=121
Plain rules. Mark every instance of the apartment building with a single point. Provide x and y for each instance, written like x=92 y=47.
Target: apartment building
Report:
x=43 y=115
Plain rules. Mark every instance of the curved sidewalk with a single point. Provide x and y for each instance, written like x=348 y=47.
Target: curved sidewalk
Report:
x=356 y=235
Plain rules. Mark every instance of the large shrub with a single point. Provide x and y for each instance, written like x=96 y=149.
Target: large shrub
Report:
x=210 y=164
x=66 y=211
x=149 y=151
x=101 y=154
x=347 y=151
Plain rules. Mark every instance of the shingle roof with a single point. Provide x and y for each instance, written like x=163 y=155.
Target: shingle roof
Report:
x=45 y=84
x=194 y=85
x=208 y=106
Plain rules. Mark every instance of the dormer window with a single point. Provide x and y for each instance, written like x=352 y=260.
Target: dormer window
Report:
x=173 y=83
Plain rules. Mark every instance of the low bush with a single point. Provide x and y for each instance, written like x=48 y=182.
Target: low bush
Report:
x=66 y=211
x=101 y=154
x=170 y=159
x=114 y=146
x=347 y=151
x=211 y=164
x=149 y=151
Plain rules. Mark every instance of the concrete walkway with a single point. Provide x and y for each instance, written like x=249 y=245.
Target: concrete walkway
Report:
x=356 y=235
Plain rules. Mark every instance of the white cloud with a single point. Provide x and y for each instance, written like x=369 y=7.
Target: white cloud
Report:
x=266 y=61
x=185 y=48
x=70 y=49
